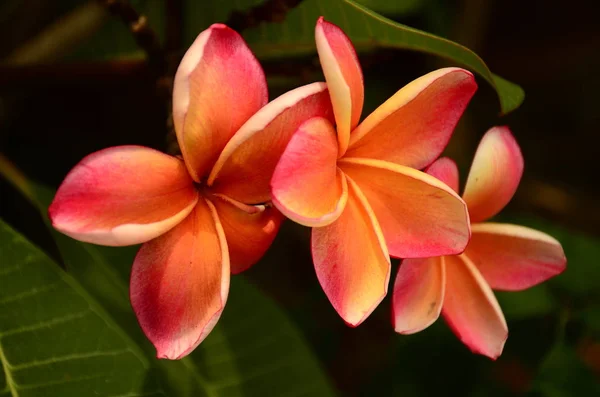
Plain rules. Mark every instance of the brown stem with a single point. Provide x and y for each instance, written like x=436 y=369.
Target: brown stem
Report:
x=269 y=11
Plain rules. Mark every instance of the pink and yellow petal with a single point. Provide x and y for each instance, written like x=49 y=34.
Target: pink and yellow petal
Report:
x=471 y=309
x=307 y=186
x=445 y=170
x=495 y=174
x=180 y=283
x=246 y=165
x=249 y=231
x=418 y=294
x=413 y=127
x=122 y=196
x=344 y=77
x=351 y=260
x=512 y=257
x=219 y=84
x=420 y=216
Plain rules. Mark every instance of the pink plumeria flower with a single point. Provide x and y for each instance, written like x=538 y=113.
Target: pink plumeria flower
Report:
x=198 y=215
x=499 y=256
x=358 y=186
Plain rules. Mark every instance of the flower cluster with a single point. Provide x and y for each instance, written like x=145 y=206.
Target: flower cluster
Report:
x=246 y=163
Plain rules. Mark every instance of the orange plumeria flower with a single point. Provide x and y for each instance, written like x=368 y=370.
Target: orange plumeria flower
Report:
x=358 y=186
x=499 y=256
x=199 y=215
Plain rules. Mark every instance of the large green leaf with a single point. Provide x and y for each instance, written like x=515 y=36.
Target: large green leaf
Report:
x=254 y=350
x=369 y=30
x=55 y=340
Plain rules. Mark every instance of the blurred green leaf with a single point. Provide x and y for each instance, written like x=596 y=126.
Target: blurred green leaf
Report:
x=563 y=374
x=536 y=301
x=398 y=7
x=369 y=30
x=254 y=350
x=70 y=347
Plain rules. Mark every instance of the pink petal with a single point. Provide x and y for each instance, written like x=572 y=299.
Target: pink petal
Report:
x=351 y=260
x=445 y=170
x=471 y=309
x=419 y=215
x=413 y=127
x=512 y=257
x=495 y=174
x=344 y=78
x=418 y=294
x=249 y=230
x=244 y=170
x=122 y=196
x=180 y=282
x=219 y=84
x=307 y=185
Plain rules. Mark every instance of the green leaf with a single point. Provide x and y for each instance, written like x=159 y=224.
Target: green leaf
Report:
x=369 y=30
x=533 y=302
x=254 y=350
x=70 y=347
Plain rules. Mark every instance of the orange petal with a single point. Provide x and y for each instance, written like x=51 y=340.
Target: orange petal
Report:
x=249 y=231
x=180 y=282
x=413 y=127
x=244 y=170
x=307 y=185
x=219 y=84
x=445 y=170
x=344 y=77
x=419 y=215
x=123 y=195
x=512 y=257
x=351 y=260
x=495 y=174
x=418 y=294
x=471 y=309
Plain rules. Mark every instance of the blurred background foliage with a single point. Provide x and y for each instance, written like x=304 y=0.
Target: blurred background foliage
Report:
x=73 y=80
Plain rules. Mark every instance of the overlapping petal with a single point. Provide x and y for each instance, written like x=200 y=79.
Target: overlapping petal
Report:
x=123 y=195
x=419 y=215
x=418 y=294
x=512 y=257
x=471 y=309
x=307 y=185
x=351 y=259
x=495 y=174
x=445 y=170
x=245 y=167
x=180 y=282
x=413 y=127
x=249 y=230
x=344 y=78
x=218 y=86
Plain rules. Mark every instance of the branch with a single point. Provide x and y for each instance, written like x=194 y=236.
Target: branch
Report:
x=143 y=34
x=269 y=11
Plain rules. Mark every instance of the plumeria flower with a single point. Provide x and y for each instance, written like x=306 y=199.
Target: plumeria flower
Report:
x=199 y=214
x=499 y=256
x=358 y=186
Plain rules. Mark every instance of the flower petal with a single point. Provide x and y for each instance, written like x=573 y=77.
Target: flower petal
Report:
x=249 y=231
x=419 y=215
x=445 y=170
x=180 y=282
x=512 y=257
x=495 y=174
x=471 y=309
x=218 y=86
x=123 y=195
x=344 y=77
x=244 y=170
x=414 y=126
x=307 y=185
x=351 y=260
x=418 y=294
